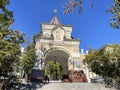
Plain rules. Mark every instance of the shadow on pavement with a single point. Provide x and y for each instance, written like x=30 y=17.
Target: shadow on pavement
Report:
x=28 y=86
x=24 y=86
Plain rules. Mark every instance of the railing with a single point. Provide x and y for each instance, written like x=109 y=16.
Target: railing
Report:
x=112 y=83
x=116 y=85
x=109 y=83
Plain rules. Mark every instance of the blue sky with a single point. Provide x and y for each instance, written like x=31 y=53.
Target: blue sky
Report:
x=91 y=27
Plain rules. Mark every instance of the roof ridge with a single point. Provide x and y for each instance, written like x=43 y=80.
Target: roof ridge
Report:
x=55 y=20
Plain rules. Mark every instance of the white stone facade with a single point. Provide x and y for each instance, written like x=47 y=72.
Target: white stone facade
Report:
x=54 y=40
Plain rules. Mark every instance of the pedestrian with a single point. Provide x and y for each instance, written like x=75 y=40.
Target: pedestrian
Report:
x=46 y=78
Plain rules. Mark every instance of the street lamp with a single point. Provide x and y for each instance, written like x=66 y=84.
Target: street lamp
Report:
x=55 y=67
x=73 y=64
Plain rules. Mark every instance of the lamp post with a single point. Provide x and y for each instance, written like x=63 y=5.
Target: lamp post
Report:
x=73 y=64
x=55 y=67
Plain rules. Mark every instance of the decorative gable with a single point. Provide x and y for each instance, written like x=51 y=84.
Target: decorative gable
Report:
x=58 y=34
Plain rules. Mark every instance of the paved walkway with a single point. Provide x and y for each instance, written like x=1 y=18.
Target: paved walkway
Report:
x=73 y=86
x=58 y=85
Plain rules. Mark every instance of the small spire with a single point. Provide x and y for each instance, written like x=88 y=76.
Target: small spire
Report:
x=55 y=19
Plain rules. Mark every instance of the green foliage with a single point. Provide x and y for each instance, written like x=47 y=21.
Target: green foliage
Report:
x=115 y=10
x=72 y=6
x=10 y=40
x=53 y=69
x=76 y=5
x=105 y=61
x=6 y=17
x=28 y=59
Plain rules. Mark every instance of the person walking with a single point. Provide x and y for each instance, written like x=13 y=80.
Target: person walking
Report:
x=46 y=78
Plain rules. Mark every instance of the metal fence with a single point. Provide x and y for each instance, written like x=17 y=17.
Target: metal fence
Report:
x=109 y=83
x=112 y=83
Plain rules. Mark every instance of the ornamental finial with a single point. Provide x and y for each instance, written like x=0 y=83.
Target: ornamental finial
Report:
x=55 y=11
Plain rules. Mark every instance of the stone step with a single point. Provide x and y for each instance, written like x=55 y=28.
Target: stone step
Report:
x=74 y=86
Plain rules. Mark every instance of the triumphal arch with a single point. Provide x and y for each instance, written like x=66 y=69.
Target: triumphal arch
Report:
x=55 y=43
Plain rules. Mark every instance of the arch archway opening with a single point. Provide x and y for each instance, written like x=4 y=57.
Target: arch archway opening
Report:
x=56 y=64
x=54 y=70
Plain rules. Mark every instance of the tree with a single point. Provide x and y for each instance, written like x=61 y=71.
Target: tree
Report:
x=53 y=69
x=10 y=40
x=6 y=17
x=72 y=6
x=76 y=5
x=27 y=61
x=105 y=61
x=115 y=10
